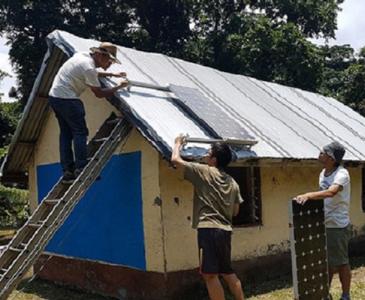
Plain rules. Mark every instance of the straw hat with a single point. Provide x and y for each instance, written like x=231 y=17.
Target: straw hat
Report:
x=107 y=48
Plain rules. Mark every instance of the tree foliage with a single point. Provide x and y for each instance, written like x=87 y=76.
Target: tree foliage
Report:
x=2 y=75
x=313 y=18
x=14 y=207
x=353 y=92
x=344 y=75
x=9 y=116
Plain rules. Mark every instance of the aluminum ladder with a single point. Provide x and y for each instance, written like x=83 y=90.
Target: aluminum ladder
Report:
x=30 y=240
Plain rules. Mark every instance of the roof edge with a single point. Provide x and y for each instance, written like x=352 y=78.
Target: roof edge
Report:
x=26 y=110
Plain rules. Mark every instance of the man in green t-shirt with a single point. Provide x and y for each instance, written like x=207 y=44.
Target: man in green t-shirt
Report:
x=216 y=200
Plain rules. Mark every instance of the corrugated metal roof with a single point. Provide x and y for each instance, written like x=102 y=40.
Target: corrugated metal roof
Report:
x=286 y=122
x=27 y=132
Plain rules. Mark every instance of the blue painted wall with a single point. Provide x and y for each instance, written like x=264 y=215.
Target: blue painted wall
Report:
x=107 y=223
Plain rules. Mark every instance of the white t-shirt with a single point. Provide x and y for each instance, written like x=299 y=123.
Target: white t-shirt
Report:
x=75 y=75
x=337 y=209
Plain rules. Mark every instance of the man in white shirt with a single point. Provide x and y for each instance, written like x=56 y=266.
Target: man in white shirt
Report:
x=334 y=182
x=76 y=75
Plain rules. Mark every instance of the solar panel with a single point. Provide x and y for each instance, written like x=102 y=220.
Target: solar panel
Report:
x=308 y=250
x=210 y=113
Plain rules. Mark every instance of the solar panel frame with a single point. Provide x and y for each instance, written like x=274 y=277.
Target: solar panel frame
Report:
x=210 y=113
x=308 y=250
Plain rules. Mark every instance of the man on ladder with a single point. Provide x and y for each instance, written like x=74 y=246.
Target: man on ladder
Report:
x=76 y=75
x=216 y=200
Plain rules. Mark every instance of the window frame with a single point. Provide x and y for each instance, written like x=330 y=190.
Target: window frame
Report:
x=249 y=180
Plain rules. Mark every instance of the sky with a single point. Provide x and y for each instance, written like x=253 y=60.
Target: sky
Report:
x=351 y=30
x=6 y=84
x=350 y=24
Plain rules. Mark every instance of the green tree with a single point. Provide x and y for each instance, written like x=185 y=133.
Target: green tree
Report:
x=313 y=18
x=278 y=54
x=14 y=207
x=344 y=75
x=9 y=116
x=353 y=89
x=2 y=76
x=336 y=60
x=164 y=25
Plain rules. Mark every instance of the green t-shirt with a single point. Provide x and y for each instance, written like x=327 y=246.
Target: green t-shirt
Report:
x=215 y=193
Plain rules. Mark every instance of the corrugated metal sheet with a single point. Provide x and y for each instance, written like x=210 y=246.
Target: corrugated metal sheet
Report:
x=14 y=167
x=286 y=122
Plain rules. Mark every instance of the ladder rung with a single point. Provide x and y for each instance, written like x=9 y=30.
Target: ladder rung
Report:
x=101 y=140
x=22 y=245
x=15 y=249
x=113 y=121
x=33 y=225
x=51 y=201
x=36 y=225
x=3 y=271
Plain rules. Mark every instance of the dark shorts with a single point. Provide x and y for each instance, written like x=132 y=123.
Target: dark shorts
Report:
x=338 y=245
x=214 y=251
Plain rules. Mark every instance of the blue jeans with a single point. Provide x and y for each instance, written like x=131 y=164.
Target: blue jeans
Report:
x=70 y=114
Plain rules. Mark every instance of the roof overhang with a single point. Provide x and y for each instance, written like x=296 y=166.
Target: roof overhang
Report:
x=15 y=165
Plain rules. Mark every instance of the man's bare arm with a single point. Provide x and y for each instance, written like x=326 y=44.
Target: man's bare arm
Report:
x=176 y=158
x=111 y=74
x=236 y=209
x=330 y=192
x=100 y=92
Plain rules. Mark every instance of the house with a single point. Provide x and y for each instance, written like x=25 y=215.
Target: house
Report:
x=131 y=236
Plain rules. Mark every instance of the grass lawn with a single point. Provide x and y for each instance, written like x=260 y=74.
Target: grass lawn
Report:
x=279 y=289
x=285 y=293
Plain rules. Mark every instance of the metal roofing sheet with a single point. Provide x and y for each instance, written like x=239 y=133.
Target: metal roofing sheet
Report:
x=27 y=132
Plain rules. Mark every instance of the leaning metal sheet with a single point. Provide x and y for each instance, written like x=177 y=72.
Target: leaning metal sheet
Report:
x=308 y=250
x=216 y=118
